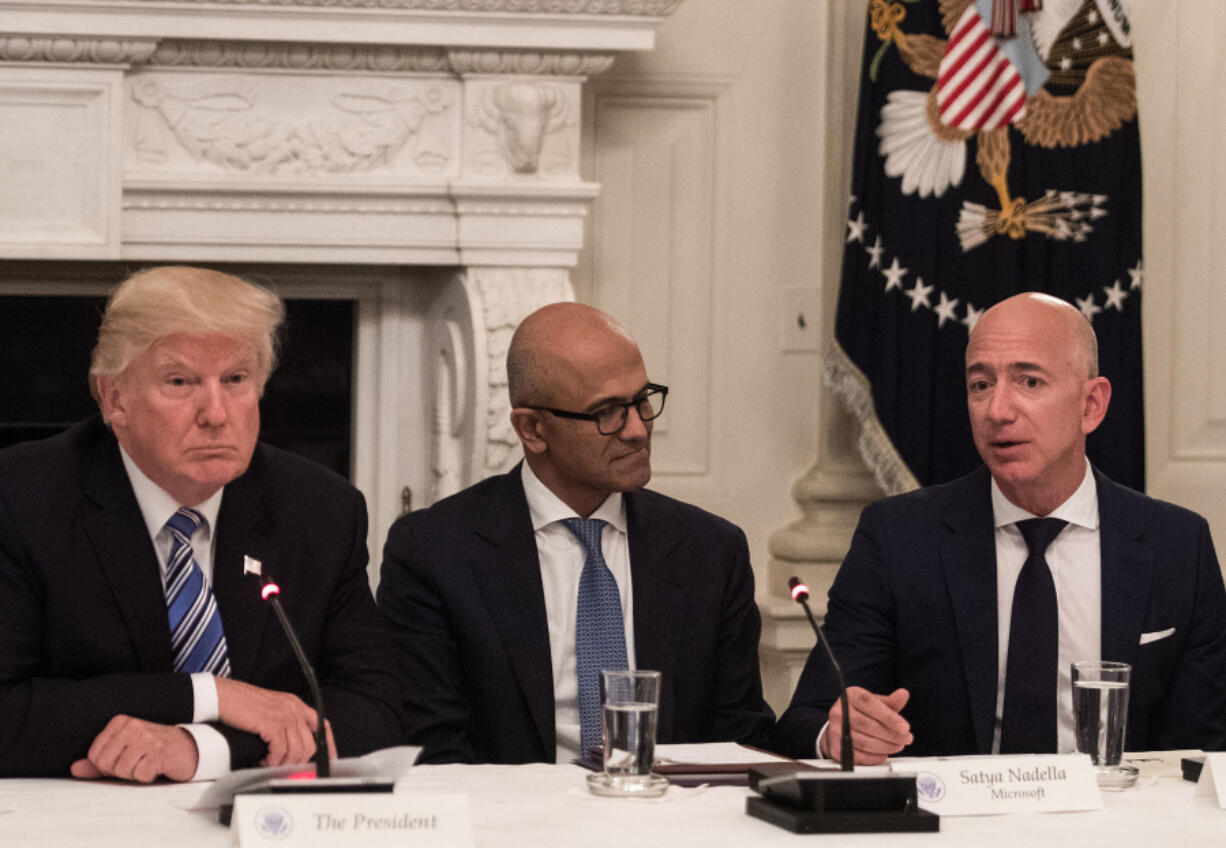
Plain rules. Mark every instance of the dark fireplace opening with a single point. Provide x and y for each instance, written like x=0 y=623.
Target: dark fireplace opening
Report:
x=45 y=344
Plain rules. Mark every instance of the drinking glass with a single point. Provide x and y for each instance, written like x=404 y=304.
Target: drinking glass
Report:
x=1100 y=713
x=630 y=701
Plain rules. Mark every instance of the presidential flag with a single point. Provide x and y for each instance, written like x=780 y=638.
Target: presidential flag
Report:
x=996 y=152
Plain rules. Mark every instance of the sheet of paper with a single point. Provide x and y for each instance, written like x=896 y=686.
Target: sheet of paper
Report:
x=713 y=753
x=1212 y=783
x=393 y=763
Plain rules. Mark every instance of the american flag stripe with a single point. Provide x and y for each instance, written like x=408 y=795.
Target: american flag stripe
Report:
x=967 y=76
x=977 y=86
x=959 y=52
x=996 y=86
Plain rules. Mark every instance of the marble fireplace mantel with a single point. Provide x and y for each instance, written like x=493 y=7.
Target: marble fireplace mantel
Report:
x=440 y=135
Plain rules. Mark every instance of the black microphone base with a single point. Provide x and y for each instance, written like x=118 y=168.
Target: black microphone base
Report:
x=839 y=802
x=282 y=786
x=847 y=821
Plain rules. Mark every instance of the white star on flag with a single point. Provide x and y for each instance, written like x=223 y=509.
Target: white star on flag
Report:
x=1135 y=275
x=919 y=294
x=875 y=252
x=945 y=310
x=855 y=228
x=893 y=275
x=1115 y=296
x=1088 y=307
x=972 y=316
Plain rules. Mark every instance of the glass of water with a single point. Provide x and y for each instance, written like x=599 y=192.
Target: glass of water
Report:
x=1100 y=714
x=630 y=701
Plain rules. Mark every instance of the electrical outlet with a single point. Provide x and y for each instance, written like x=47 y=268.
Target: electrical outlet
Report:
x=801 y=319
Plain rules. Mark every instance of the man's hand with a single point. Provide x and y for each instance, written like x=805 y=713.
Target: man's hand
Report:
x=135 y=749
x=279 y=718
x=877 y=729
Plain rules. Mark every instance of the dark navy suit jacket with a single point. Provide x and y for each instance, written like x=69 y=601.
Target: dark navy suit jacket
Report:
x=914 y=605
x=461 y=587
x=84 y=634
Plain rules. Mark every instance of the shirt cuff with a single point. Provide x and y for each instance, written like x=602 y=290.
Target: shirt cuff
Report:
x=821 y=734
x=213 y=752
x=204 y=698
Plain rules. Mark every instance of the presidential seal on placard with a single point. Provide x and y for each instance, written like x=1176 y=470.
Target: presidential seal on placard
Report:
x=273 y=822
x=929 y=787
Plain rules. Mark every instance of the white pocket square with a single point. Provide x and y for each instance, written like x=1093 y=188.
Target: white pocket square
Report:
x=1146 y=638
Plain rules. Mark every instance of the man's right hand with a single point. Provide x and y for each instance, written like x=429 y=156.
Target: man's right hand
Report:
x=282 y=720
x=877 y=729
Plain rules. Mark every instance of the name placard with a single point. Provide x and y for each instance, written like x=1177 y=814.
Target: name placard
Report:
x=1212 y=781
x=358 y=819
x=1027 y=783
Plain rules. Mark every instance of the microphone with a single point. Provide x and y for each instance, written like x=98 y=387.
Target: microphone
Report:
x=830 y=801
x=294 y=782
x=800 y=594
x=271 y=593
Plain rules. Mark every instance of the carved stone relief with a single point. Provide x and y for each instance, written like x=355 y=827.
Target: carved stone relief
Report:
x=644 y=8
x=102 y=51
x=279 y=124
x=379 y=58
x=524 y=127
x=528 y=62
x=508 y=295
x=471 y=327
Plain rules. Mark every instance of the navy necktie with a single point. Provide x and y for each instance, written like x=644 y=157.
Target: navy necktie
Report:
x=1028 y=724
x=600 y=634
x=197 y=642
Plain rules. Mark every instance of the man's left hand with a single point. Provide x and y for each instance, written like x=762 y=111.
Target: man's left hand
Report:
x=134 y=749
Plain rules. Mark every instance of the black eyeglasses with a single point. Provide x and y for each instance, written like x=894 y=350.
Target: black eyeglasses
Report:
x=612 y=418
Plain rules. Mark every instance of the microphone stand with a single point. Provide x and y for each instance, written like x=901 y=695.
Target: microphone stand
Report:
x=800 y=594
x=321 y=781
x=271 y=593
x=826 y=801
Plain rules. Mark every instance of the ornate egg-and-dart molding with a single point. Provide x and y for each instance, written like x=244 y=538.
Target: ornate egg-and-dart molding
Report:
x=100 y=51
x=327 y=57
x=374 y=57
x=624 y=8
x=528 y=62
x=268 y=204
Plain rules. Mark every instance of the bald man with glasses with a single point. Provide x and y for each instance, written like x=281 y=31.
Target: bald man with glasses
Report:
x=507 y=599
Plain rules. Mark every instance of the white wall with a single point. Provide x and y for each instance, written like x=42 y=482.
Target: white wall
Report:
x=710 y=152
x=725 y=157
x=1180 y=65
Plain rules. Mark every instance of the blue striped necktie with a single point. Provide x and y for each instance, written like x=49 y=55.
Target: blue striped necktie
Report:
x=600 y=633
x=197 y=642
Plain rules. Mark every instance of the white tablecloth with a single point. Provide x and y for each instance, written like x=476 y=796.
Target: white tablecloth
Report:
x=547 y=805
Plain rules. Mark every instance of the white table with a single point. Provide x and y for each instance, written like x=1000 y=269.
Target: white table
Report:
x=546 y=805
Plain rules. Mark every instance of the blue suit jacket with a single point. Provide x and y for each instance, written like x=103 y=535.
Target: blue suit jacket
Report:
x=914 y=605
x=461 y=587
x=84 y=634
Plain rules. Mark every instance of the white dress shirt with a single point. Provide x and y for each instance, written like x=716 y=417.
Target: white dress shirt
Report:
x=156 y=507
x=1075 y=560
x=1076 y=567
x=562 y=558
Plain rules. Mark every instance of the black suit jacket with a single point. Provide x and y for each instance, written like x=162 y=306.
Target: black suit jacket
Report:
x=914 y=605
x=84 y=634
x=461 y=586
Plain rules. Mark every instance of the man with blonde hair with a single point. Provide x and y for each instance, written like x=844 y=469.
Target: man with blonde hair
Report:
x=132 y=643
